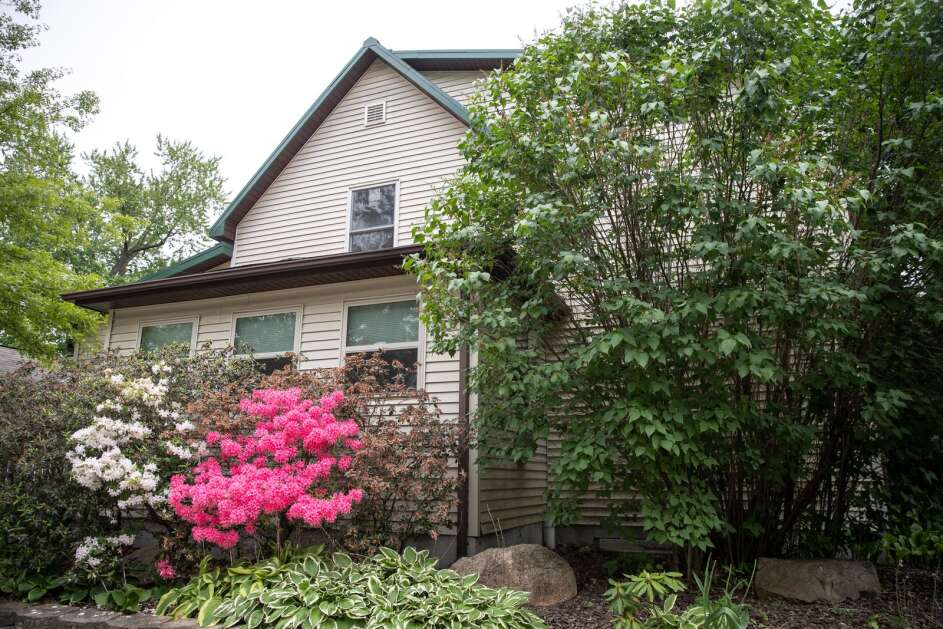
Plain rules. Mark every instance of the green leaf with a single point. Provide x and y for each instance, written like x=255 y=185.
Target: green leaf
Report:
x=205 y=615
x=727 y=346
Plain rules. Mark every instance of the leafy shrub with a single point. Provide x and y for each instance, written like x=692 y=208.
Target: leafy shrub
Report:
x=99 y=575
x=403 y=466
x=43 y=515
x=653 y=595
x=740 y=202
x=46 y=514
x=306 y=589
x=282 y=469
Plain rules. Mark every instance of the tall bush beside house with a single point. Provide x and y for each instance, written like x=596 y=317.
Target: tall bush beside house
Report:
x=43 y=516
x=687 y=234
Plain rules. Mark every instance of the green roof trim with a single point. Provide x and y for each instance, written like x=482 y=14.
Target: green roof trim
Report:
x=315 y=114
x=416 y=78
x=202 y=261
x=472 y=53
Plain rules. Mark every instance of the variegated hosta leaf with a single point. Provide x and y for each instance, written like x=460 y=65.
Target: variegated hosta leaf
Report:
x=387 y=590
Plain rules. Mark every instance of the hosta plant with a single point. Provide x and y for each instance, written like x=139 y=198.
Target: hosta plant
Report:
x=307 y=589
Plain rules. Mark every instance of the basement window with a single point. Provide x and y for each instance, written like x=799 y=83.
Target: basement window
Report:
x=372 y=220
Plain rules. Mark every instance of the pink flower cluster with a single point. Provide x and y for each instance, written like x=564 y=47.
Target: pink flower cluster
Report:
x=296 y=444
x=165 y=569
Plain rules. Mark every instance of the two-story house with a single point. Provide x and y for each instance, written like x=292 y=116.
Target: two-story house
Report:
x=310 y=255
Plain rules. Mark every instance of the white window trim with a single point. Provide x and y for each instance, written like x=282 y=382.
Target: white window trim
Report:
x=194 y=332
x=367 y=107
x=420 y=343
x=296 y=345
x=350 y=212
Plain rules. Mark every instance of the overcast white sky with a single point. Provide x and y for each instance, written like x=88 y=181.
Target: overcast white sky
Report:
x=234 y=76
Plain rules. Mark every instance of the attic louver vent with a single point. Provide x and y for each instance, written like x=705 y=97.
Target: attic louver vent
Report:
x=374 y=113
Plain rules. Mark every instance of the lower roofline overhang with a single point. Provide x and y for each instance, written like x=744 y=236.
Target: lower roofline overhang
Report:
x=253 y=278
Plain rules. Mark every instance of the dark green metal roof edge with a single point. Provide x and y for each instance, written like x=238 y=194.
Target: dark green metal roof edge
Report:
x=416 y=78
x=220 y=250
x=469 y=53
x=217 y=231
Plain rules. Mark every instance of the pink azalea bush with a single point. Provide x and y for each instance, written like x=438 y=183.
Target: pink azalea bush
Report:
x=283 y=468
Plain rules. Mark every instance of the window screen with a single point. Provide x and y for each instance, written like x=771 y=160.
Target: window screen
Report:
x=266 y=334
x=372 y=217
x=383 y=324
x=392 y=330
x=154 y=337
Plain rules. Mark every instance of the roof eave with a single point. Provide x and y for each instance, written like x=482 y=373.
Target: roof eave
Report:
x=254 y=278
x=474 y=59
x=202 y=261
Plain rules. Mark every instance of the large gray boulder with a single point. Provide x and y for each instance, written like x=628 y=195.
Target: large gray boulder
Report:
x=525 y=567
x=816 y=579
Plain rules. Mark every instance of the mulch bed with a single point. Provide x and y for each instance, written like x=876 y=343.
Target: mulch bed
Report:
x=910 y=604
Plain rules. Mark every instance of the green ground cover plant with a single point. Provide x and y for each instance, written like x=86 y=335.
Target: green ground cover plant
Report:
x=305 y=588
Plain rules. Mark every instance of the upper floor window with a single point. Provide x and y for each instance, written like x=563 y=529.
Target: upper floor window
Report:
x=372 y=221
x=154 y=336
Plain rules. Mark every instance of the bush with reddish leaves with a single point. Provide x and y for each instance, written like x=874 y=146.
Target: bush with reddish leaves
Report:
x=403 y=468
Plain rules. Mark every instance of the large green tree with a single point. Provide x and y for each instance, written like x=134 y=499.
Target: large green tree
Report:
x=59 y=232
x=687 y=243
x=42 y=204
x=147 y=220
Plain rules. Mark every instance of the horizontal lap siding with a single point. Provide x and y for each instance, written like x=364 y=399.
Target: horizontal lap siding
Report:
x=322 y=311
x=303 y=213
x=511 y=494
x=594 y=510
x=459 y=84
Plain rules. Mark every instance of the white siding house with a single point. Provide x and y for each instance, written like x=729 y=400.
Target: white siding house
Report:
x=317 y=237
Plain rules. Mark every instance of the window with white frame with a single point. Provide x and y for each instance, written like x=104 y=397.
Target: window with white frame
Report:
x=266 y=336
x=157 y=335
x=390 y=328
x=372 y=220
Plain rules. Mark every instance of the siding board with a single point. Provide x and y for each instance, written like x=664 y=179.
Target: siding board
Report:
x=303 y=212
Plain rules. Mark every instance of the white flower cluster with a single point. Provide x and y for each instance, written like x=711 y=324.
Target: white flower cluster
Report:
x=92 y=550
x=114 y=453
x=181 y=452
x=144 y=390
x=106 y=432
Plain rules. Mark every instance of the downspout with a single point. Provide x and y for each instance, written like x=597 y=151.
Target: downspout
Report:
x=461 y=537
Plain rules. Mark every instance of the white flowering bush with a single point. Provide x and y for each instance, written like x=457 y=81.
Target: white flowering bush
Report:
x=137 y=439
x=100 y=558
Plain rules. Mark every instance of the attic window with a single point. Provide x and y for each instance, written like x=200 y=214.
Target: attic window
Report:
x=374 y=113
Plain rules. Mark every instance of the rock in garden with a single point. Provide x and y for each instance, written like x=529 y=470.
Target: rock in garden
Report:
x=531 y=568
x=9 y=611
x=816 y=579
x=86 y=618
x=38 y=616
